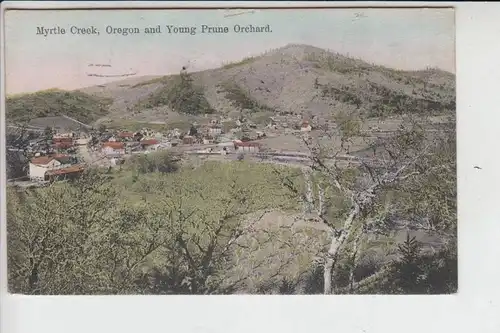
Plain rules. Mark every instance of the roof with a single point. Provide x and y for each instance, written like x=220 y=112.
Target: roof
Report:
x=149 y=142
x=246 y=144
x=42 y=160
x=63 y=144
x=64 y=171
x=62 y=139
x=125 y=135
x=114 y=145
x=62 y=158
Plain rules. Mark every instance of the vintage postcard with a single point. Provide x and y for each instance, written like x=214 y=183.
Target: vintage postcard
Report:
x=231 y=151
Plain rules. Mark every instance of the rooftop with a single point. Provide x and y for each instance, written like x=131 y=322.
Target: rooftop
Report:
x=64 y=171
x=149 y=142
x=114 y=145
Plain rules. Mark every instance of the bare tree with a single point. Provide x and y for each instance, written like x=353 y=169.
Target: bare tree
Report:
x=409 y=153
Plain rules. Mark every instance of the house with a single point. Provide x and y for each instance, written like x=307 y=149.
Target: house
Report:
x=176 y=133
x=39 y=166
x=62 y=145
x=188 y=140
x=125 y=135
x=63 y=135
x=113 y=148
x=247 y=147
x=150 y=145
x=62 y=140
x=214 y=130
x=64 y=173
x=306 y=127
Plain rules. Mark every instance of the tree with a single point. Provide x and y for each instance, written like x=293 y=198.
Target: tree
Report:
x=411 y=157
x=193 y=131
x=88 y=237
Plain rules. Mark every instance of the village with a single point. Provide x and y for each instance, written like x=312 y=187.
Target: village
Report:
x=64 y=148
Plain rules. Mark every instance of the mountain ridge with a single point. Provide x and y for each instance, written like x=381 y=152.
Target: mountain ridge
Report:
x=296 y=79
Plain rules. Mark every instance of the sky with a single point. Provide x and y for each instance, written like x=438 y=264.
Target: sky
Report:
x=397 y=38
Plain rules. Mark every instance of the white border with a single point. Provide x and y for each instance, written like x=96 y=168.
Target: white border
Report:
x=474 y=308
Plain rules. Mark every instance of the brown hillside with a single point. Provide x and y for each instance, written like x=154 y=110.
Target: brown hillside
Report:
x=295 y=79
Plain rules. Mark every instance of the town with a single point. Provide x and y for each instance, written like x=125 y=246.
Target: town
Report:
x=68 y=147
x=71 y=146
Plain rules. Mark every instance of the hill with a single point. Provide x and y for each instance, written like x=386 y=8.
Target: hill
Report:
x=295 y=79
x=52 y=103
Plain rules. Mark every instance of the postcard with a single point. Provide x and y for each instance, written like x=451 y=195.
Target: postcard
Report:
x=231 y=151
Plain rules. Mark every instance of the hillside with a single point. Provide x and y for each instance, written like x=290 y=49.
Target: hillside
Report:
x=295 y=79
x=50 y=103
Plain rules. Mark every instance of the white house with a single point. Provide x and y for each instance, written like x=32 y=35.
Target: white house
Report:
x=215 y=131
x=306 y=127
x=113 y=148
x=247 y=147
x=40 y=165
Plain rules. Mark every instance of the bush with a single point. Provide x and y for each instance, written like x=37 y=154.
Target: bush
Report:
x=163 y=162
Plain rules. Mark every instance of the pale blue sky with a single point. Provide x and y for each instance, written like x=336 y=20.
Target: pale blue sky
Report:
x=399 y=38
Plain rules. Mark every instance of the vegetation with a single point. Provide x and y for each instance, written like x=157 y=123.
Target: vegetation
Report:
x=102 y=235
x=162 y=162
x=158 y=227
x=181 y=95
x=381 y=101
x=245 y=61
x=399 y=189
x=75 y=104
x=161 y=225
x=241 y=99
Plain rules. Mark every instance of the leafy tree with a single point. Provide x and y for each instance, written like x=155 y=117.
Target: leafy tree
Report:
x=162 y=161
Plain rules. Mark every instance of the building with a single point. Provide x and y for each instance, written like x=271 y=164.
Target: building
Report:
x=62 y=139
x=125 y=136
x=64 y=173
x=246 y=147
x=39 y=166
x=150 y=145
x=63 y=135
x=113 y=148
x=306 y=127
x=62 y=145
x=214 y=130
x=188 y=140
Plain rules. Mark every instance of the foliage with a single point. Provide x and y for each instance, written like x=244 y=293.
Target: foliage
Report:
x=241 y=99
x=247 y=60
x=162 y=161
x=75 y=104
x=93 y=236
x=416 y=272
x=180 y=94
